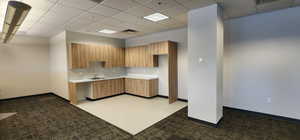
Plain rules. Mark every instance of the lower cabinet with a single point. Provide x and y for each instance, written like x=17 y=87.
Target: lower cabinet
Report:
x=141 y=87
x=105 y=88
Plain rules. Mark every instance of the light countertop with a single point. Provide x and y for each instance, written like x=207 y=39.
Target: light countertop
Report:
x=133 y=76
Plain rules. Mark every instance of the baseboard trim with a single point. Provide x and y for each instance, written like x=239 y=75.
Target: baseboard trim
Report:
x=20 y=97
x=60 y=97
x=90 y=99
x=206 y=122
x=264 y=114
x=139 y=95
x=179 y=99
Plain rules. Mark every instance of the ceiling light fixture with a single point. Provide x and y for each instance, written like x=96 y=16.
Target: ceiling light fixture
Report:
x=156 y=17
x=16 y=13
x=107 y=31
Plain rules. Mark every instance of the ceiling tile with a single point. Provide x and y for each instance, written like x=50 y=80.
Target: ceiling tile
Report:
x=77 y=24
x=183 y=18
x=274 y=5
x=80 y=4
x=143 y=1
x=52 y=18
x=112 y=21
x=44 y=30
x=90 y=16
x=146 y=22
x=120 y=4
x=94 y=27
x=126 y=17
x=140 y=11
x=161 y=5
x=192 y=4
x=67 y=12
x=53 y=1
x=42 y=5
x=175 y=11
x=103 y=10
x=170 y=22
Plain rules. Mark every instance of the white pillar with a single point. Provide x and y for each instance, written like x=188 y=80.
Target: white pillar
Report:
x=205 y=55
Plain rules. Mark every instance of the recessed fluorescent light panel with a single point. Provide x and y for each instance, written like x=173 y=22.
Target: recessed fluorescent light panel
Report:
x=107 y=31
x=156 y=17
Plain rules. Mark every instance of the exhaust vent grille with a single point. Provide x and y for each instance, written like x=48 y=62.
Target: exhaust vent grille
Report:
x=130 y=31
x=260 y=2
x=97 y=1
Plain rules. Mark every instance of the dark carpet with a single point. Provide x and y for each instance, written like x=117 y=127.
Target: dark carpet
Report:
x=49 y=117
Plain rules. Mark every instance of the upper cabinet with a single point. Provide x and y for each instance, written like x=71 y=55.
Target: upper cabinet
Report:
x=147 y=55
x=139 y=56
x=81 y=55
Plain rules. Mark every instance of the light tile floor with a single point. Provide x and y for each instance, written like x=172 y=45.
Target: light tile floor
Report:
x=130 y=113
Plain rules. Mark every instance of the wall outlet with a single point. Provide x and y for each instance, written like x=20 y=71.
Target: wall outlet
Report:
x=269 y=100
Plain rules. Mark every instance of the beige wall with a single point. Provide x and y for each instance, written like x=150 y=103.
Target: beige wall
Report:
x=24 y=67
x=59 y=65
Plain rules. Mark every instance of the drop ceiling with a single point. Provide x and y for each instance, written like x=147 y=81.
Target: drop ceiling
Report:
x=50 y=17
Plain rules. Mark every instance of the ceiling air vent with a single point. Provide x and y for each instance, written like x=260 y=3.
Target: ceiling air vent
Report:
x=97 y=1
x=259 y=2
x=130 y=31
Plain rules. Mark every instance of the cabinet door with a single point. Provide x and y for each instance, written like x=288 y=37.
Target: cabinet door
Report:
x=114 y=85
x=74 y=56
x=129 y=85
x=83 y=56
x=163 y=48
x=98 y=53
x=122 y=57
x=142 y=56
x=122 y=85
x=90 y=53
x=117 y=59
x=99 y=89
x=127 y=58
x=140 y=87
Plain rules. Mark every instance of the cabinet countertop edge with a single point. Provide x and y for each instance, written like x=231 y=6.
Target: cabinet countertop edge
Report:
x=111 y=78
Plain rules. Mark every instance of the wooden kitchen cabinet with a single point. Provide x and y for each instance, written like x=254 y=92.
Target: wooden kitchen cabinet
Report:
x=140 y=56
x=81 y=55
x=159 y=48
x=147 y=55
x=105 y=88
x=141 y=87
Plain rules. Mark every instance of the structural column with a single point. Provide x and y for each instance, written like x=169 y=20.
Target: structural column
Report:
x=205 y=55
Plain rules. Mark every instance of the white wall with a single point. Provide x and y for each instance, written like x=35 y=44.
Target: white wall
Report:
x=205 y=29
x=262 y=54
x=177 y=35
x=59 y=65
x=24 y=67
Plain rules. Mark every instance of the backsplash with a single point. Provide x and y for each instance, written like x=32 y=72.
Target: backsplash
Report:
x=96 y=68
x=142 y=71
